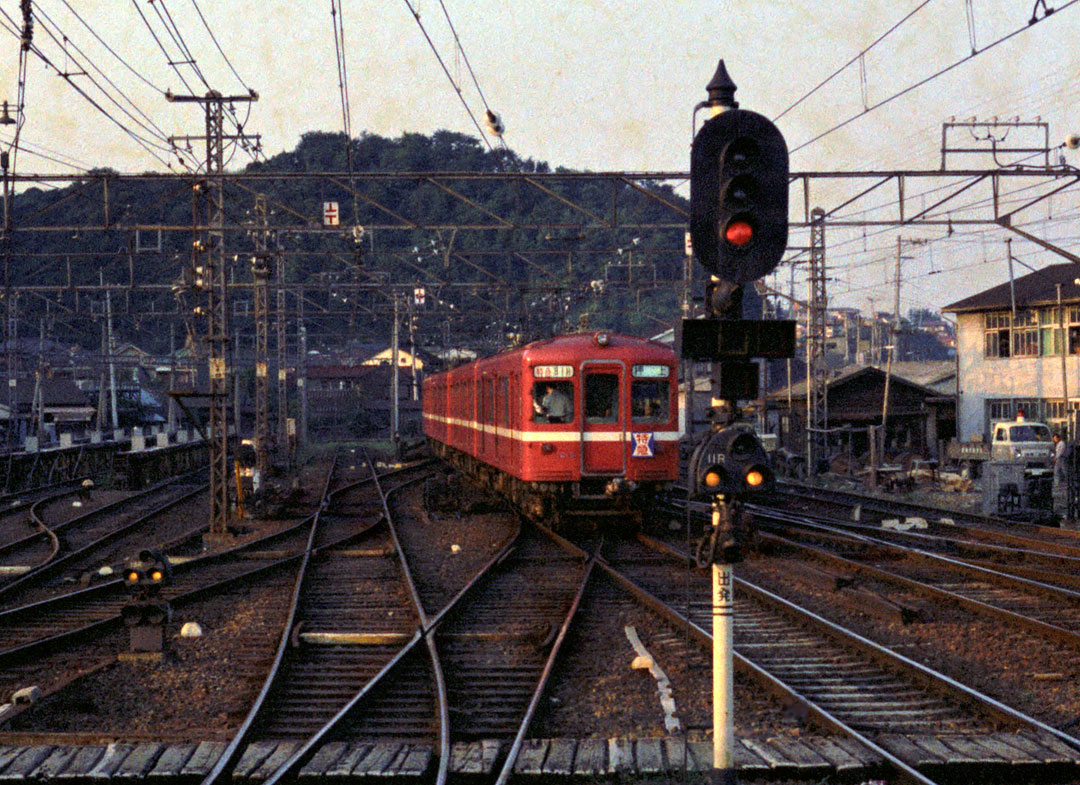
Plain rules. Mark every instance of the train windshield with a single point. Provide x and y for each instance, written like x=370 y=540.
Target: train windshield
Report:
x=650 y=401
x=601 y=398
x=553 y=401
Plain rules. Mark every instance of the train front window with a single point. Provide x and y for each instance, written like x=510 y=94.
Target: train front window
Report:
x=650 y=401
x=601 y=398
x=553 y=401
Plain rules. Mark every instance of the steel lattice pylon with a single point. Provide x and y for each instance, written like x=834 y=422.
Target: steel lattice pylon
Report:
x=209 y=255
x=260 y=270
x=817 y=370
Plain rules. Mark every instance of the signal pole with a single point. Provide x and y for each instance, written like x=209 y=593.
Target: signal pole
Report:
x=817 y=368
x=209 y=248
x=738 y=229
x=282 y=370
x=260 y=271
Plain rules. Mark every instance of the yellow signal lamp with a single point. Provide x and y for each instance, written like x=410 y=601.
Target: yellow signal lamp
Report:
x=712 y=479
x=132 y=576
x=755 y=477
x=156 y=575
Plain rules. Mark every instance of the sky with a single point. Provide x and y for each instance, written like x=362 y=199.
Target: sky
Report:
x=590 y=84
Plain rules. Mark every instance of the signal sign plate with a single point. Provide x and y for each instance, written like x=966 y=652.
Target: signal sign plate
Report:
x=330 y=213
x=644 y=445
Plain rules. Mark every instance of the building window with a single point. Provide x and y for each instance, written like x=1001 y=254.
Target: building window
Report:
x=1050 y=341
x=1000 y=410
x=1025 y=343
x=997 y=333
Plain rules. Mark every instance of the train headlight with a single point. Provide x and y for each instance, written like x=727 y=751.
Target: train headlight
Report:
x=754 y=478
x=712 y=479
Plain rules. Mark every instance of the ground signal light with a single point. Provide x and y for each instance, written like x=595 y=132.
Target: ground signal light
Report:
x=731 y=462
x=146 y=614
x=739 y=196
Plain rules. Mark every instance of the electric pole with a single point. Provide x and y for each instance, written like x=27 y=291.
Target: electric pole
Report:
x=817 y=367
x=260 y=271
x=209 y=248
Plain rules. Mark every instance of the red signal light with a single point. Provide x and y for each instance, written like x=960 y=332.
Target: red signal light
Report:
x=739 y=233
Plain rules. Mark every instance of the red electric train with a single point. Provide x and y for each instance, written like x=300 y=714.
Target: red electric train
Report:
x=585 y=423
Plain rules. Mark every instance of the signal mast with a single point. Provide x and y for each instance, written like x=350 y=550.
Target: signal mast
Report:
x=738 y=228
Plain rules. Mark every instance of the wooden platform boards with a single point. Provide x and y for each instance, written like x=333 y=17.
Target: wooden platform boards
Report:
x=789 y=756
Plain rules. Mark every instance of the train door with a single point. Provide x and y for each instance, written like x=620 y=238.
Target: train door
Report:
x=602 y=424
x=515 y=420
x=487 y=418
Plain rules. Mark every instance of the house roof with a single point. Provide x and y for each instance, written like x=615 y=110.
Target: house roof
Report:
x=1037 y=288
x=920 y=375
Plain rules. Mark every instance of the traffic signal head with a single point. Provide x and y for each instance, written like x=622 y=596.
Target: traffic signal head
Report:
x=731 y=462
x=739 y=196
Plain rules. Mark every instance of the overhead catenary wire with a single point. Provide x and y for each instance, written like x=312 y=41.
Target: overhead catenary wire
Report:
x=140 y=76
x=146 y=144
x=920 y=83
x=450 y=77
x=337 y=18
x=857 y=58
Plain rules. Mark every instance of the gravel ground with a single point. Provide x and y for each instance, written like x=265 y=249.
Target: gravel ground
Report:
x=595 y=693
x=447 y=550
x=214 y=677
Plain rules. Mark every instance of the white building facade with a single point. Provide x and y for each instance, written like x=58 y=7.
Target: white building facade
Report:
x=1017 y=350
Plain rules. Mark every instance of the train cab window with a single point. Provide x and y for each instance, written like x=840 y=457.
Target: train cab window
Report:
x=650 y=401
x=601 y=398
x=553 y=401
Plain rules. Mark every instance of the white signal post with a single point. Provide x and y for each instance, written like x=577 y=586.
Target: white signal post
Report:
x=723 y=635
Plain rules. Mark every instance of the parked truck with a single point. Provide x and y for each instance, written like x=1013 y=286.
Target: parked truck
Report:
x=1010 y=440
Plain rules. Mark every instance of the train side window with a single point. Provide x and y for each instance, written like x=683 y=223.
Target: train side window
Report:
x=650 y=401
x=601 y=398
x=553 y=402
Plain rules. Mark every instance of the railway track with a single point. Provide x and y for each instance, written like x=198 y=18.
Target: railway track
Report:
x=842 y=680
x=87 y=541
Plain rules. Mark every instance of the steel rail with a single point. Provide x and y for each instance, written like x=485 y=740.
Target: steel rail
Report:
x=876 y=533
x=231 y=754
x=932 y=679
x=973 y=525
x=1051 y=631
x=774 y=685
x=36 y=609
x=545 y=675
x=233 y=751
x=56 y=562
x=426 y=631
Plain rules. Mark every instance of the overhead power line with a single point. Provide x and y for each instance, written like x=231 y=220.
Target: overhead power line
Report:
x=449 y=76
x=933 y=76
x=858 y=57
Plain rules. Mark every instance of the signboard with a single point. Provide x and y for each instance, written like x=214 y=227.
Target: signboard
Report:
x=217 y=367
x=330 y=213
x=260 y=370
x=419 y=295
x=644 y=445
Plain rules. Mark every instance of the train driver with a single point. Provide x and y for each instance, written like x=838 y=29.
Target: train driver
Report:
x=555 y=405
